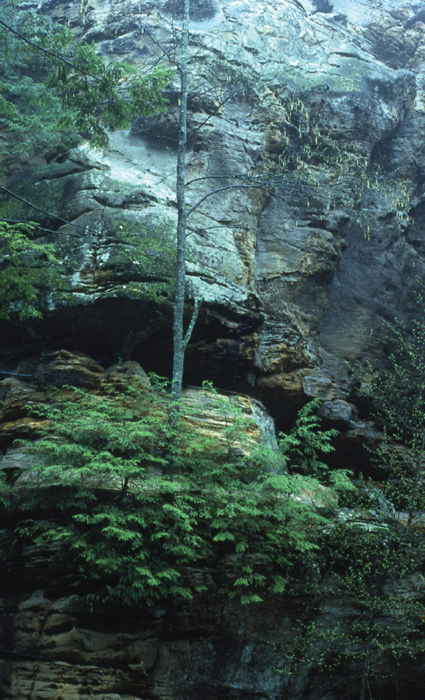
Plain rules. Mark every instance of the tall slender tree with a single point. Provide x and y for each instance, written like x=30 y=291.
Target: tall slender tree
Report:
x=304 y=146
x=179 y=341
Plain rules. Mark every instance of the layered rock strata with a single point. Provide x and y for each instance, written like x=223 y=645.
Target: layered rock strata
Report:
x=296 y=288
x=290 y=284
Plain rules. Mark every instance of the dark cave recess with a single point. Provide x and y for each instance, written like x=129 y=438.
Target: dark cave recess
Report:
x=221 y=350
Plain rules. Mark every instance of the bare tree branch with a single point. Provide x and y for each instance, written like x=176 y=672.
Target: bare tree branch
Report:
x=221 y=189
x=48 y=213
x=187 y=337
x=47 y=52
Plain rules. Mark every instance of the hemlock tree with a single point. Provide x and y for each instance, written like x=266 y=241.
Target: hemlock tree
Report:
x=23 y=270
x=54 y=89
x=97 y=489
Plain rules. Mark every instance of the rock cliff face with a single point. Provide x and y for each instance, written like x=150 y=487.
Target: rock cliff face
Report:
x=294 y=289
x=296 y=285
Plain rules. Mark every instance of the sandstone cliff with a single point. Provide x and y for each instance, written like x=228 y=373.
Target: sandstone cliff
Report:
x=296 y=288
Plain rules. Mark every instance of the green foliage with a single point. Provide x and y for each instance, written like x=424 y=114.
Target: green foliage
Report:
x=28 y=110
x=400 y=390
x=4 y=490
x=373 y=553
x=377 y=550
x=27 y=269
x=54 y=88
x=399 y=394
x=99 y=489
x=103 y=97
x=365 y=609
x=376 y=562
x=52 y=91
x=306 y=445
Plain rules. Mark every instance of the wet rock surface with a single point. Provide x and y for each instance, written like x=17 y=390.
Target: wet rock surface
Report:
x=285 y=285
x=295 y=297
x=210 y=647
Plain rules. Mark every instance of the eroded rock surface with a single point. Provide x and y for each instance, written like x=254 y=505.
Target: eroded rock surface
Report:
x=287 y=285
x=210 y=647
x=295 y=295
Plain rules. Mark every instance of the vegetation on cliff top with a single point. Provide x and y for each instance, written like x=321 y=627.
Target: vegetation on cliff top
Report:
x=99 y=489
x=136 y=534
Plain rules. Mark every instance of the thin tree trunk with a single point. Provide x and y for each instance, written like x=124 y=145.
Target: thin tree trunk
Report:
x=178 y=339
x=364 y=684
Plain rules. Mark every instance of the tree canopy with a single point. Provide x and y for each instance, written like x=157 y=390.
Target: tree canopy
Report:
x=53 y=92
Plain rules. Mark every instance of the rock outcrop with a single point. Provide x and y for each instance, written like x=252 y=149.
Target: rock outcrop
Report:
x=202 y=411
x=211 y=647
x=297 y=282
x=290 y=284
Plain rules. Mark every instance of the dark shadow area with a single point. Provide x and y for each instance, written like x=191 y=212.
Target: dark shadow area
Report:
x=199 y=9
x=107 y=331
x=221 y=350
x=323 y=6
x=155 y=354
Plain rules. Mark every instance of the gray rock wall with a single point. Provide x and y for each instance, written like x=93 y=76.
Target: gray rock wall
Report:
x=295 y=291
x=290 y=283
